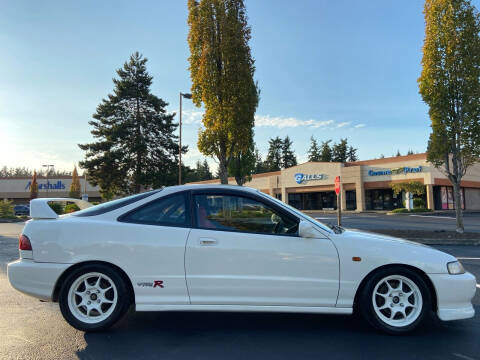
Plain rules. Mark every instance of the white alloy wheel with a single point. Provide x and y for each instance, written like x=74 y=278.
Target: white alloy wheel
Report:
x=397 y=300
x=92 y=297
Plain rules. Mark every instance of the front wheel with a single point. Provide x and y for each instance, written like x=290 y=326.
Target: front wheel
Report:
x=396 y=301
x=93 y=297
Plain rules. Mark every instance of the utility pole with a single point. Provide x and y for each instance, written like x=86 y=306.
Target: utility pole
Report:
x=186 y=96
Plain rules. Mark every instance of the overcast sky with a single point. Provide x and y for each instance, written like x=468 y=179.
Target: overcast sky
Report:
x=325 y=68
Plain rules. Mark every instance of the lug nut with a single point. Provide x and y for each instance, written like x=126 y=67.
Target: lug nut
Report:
x=401 y=304
x=88 y=292
x=98 y=301
x=89 y=302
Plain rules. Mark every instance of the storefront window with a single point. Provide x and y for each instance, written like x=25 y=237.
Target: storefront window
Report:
x=445 y=199
x=382 y=199
x=313 y=200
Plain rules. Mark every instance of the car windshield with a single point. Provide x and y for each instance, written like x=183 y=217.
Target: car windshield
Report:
x=114 y=204
x=298 y=212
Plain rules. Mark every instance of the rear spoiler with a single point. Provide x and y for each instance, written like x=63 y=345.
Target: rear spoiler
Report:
x=39 y=208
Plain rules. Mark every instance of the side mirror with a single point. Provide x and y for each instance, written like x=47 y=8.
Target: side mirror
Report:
x=307 y=230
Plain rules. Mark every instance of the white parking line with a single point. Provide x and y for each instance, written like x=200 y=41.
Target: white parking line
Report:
x=468 y=258
x=435 y=217
x=478 y=286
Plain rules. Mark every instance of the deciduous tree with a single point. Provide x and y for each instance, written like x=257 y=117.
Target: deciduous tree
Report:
x=450 y=86
x=34 y=186
x=75 y=185
x=222 y=69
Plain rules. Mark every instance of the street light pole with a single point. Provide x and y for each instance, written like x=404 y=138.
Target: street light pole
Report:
x=48 y=171
x=186 y=96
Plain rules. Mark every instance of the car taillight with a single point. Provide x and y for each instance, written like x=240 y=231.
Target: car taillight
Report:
x=24 y=243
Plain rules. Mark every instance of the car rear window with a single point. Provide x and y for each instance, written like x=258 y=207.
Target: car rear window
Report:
x=113 y=205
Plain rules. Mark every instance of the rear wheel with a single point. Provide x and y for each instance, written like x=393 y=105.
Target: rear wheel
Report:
x=93 y=297
x=396 y=300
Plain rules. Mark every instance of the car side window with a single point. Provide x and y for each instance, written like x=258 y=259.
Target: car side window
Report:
x=168 y=211
x=238 y=213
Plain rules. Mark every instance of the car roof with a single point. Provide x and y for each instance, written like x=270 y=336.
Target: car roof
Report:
x=210 y=187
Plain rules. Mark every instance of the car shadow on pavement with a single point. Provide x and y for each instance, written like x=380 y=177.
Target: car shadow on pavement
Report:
x=220 y=335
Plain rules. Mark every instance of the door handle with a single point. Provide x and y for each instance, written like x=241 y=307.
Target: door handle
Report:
x=207 y=242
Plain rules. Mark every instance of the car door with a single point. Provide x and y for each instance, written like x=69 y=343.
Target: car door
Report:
x=245 y=250
x=157 y=233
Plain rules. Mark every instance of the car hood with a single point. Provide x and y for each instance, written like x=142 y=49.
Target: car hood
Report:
x=359 y=235
x=383 y=250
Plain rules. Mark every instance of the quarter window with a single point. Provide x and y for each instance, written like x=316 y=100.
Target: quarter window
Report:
x=237 y=213
x=169 y=211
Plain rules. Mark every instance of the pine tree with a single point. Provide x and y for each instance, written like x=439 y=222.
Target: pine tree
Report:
x=288 y=156
x=135 y=145
x=398 y=153
x=260 y=165
x=352 y=154
x=339 y=152
x=326 y=151
x=75 y=185
x=450 y=86
x=222 y=69
x=34 y=186
x=274 y=155
x=314 y=153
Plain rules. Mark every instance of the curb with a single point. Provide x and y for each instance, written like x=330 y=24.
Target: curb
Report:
x=465 y=242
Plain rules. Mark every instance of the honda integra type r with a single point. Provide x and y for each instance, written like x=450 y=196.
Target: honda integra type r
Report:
x=228 y=248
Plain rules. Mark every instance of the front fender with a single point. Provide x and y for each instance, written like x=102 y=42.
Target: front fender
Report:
x=376 y=251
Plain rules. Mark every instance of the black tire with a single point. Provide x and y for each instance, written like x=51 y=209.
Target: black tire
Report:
x=122 y=304
x=366 y=305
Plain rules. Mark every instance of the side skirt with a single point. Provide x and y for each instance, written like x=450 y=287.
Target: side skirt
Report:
x=246 y=308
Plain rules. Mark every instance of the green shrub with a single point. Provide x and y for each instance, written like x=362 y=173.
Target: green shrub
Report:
x=418 y=203
x=422 y=209
x=71 y=208
x=6 y=209
x=400 y=211
x=57 y=207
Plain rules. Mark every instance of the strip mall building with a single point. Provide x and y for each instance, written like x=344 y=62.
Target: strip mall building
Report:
x=366 y=185
x=18 y=188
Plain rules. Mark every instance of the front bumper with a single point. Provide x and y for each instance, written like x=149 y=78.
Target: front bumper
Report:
x=35 y=279
x=454 y=295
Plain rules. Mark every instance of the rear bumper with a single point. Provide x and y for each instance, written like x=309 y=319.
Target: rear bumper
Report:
x=35 y=279
x=454 y=295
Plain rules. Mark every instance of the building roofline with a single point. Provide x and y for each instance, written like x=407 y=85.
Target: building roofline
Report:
x=391 y=159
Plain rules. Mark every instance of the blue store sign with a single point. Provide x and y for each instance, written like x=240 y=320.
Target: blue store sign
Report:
x=301 y=178
x=59 y=185
x=397 y=171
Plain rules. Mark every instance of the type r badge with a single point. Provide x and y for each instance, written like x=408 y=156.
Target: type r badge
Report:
x=154 y=284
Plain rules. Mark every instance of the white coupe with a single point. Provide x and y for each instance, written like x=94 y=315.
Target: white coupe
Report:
x=228 y=248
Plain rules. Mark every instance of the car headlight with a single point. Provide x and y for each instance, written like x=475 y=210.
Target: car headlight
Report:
x=455 y=268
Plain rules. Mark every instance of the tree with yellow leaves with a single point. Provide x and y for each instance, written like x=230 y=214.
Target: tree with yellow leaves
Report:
x=222 y=69
x=450 y=86
x=75 y=185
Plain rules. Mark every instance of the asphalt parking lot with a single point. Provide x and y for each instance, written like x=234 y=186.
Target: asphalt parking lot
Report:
x=371 y=221
x=30 y=329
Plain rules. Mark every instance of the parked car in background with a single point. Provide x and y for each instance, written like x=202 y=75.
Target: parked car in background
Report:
x=228 y=248
x=21 y=210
